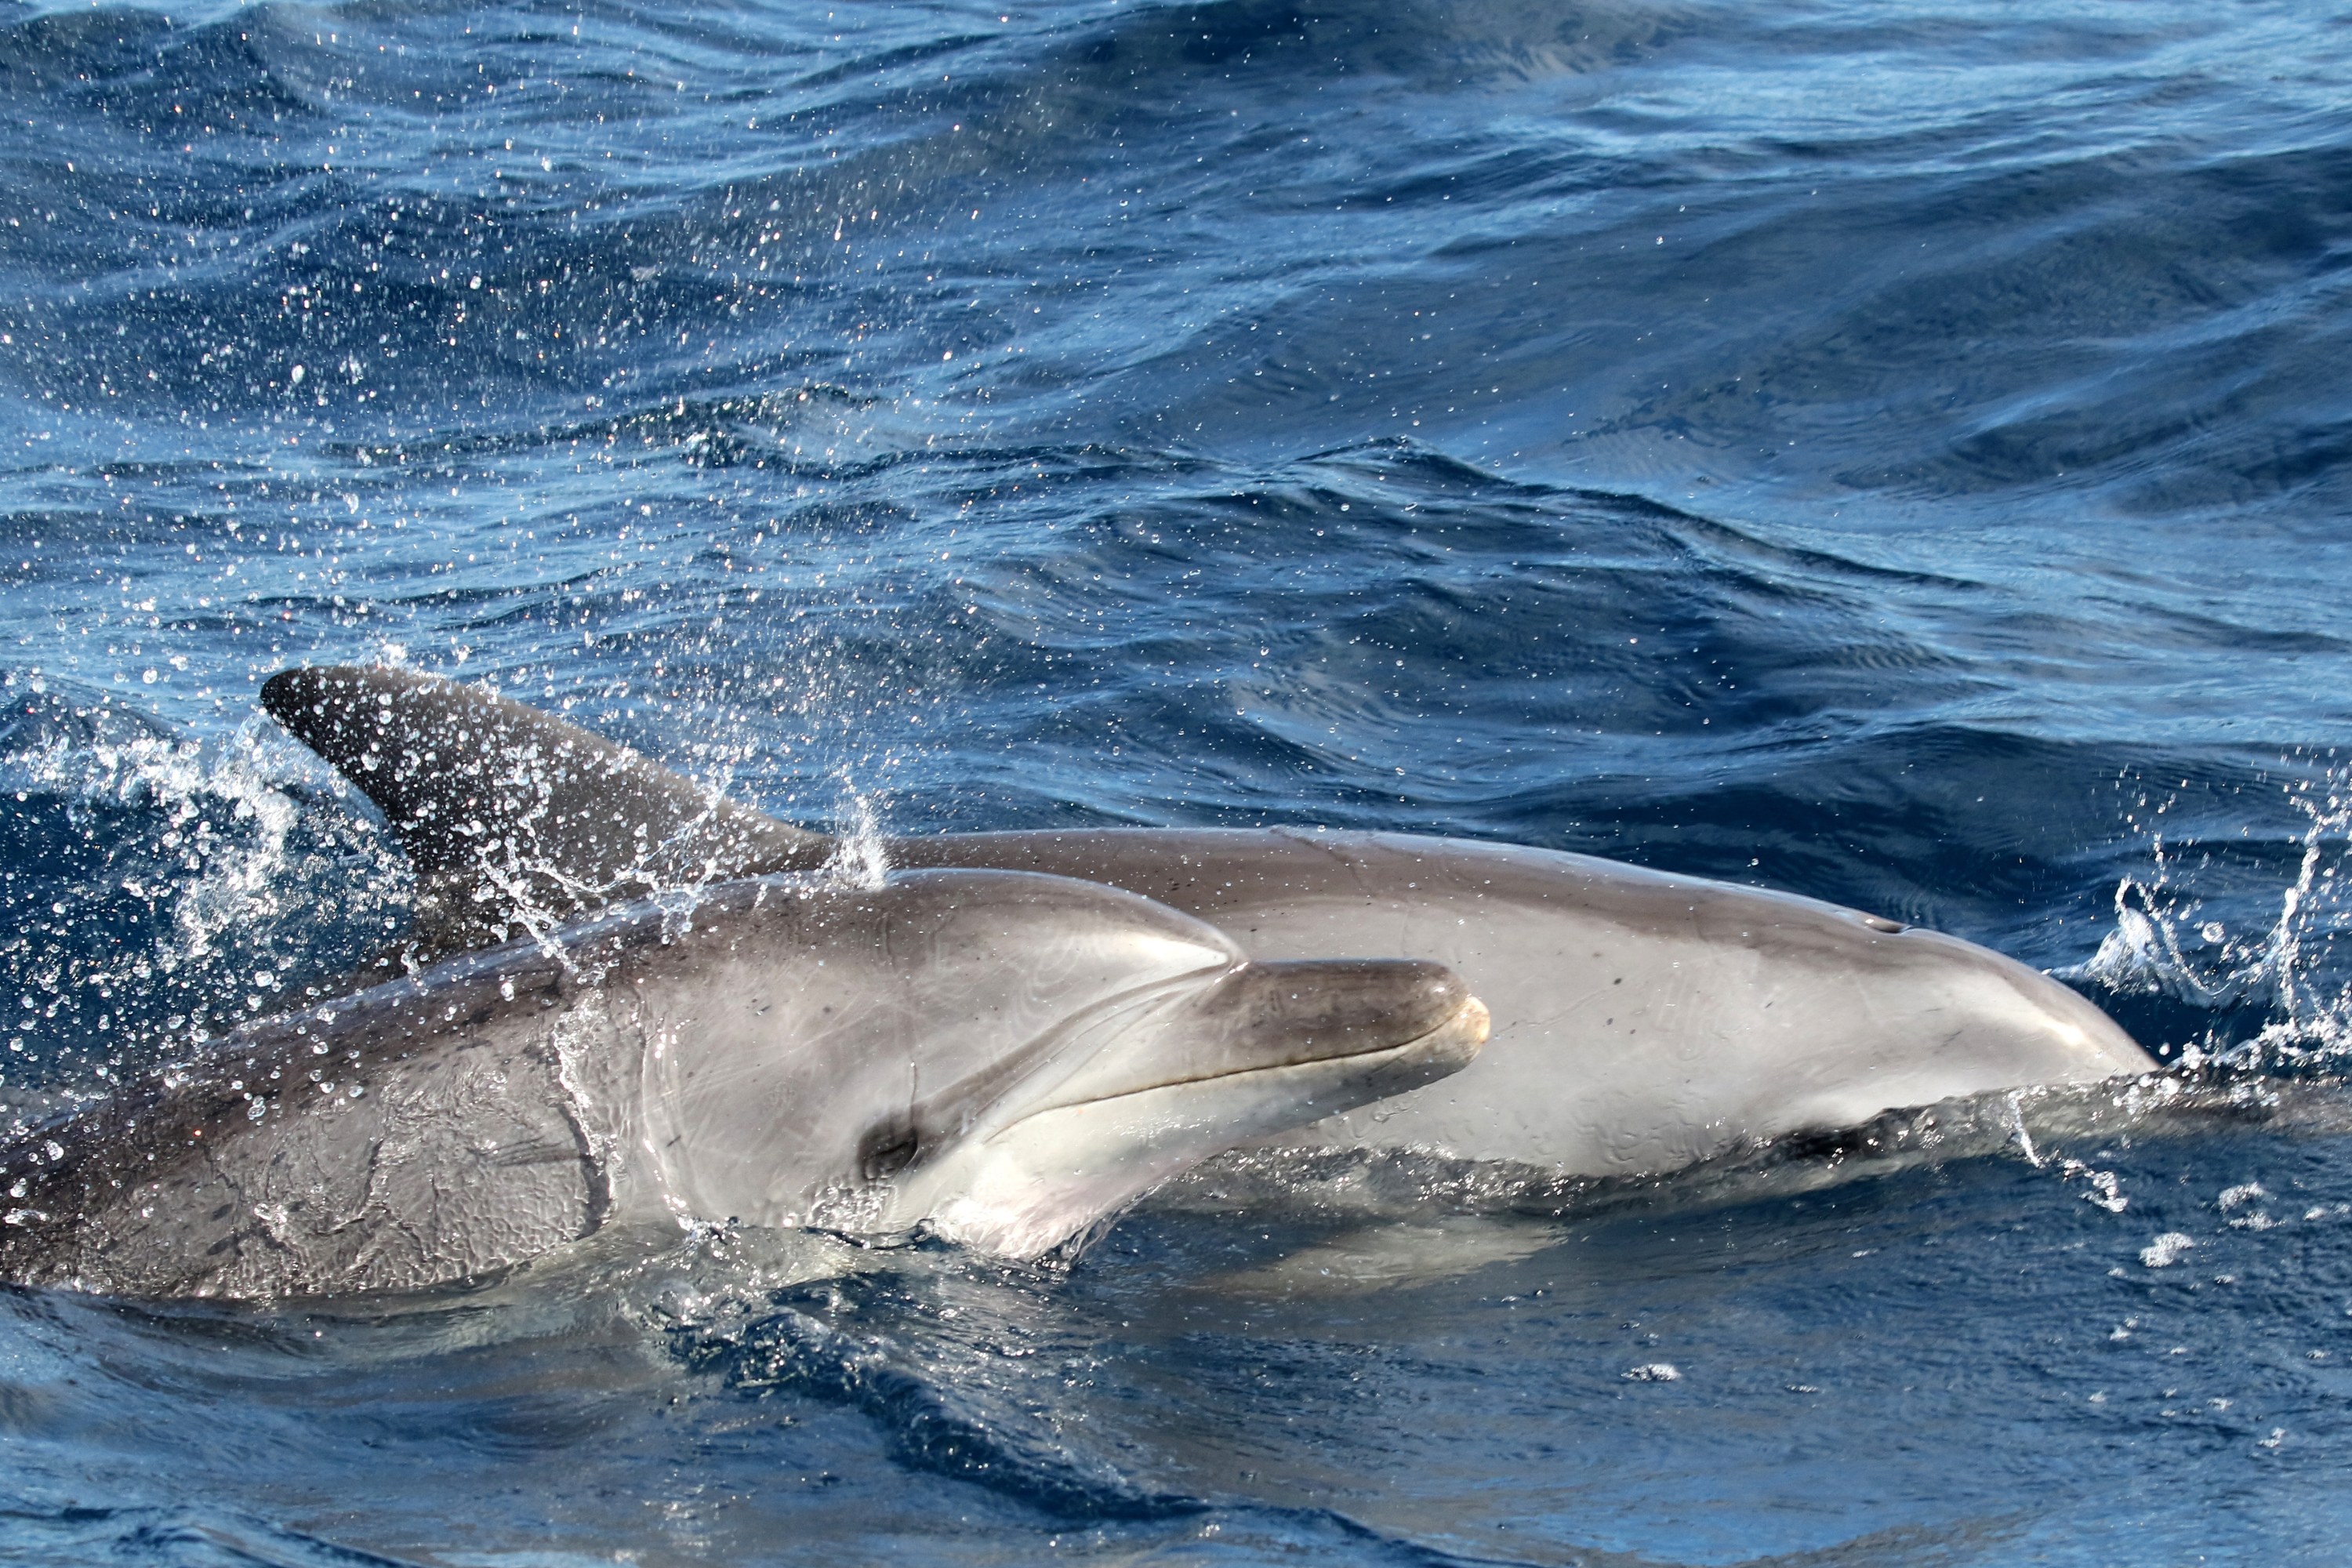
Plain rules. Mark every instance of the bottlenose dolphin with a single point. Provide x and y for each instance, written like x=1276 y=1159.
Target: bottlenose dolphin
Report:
x=1002 y=1058
x=1641 y=1020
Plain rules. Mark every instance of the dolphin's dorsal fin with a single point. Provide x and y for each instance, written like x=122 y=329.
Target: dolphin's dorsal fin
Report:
x=514 y=819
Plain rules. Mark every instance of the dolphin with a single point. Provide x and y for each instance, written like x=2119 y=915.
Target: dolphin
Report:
x=1002 y=1058
x=1641 y=1020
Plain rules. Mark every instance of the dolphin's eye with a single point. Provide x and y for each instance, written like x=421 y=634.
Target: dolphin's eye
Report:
x=887 y=1150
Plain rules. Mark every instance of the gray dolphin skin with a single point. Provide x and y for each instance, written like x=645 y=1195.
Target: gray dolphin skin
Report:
x=1641 y=1020
x=1002 y=1058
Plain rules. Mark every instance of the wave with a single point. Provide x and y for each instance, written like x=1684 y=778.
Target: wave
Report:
x=937 y=1402
x=186 y=1533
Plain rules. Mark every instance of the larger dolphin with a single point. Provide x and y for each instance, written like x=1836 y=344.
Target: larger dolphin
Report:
x=1003 y=1059
x=1641 y=1020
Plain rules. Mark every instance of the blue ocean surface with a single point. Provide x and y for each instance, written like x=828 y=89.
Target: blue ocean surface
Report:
x=1896 y=454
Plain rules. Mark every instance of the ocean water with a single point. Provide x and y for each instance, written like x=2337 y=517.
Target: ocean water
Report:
x=1895 y=453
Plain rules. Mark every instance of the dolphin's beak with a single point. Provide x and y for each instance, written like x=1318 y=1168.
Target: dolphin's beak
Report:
x=1262 y=1017
x=1265 y=1048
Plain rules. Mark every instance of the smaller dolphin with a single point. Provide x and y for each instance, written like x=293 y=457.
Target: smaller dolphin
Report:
x=1002 y=1058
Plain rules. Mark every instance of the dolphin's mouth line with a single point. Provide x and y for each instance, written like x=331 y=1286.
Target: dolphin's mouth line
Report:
x=1482 y=1024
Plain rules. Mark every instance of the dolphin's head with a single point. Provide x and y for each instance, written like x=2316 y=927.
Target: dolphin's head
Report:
x=1003 y=1059
x=1162 y=1084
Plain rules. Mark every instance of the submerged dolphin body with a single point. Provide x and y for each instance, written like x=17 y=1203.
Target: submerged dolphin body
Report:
x=1002 y=1058
x=1641 y=1020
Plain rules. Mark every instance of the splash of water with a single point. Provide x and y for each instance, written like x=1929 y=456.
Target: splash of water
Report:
x=2270 y=993
x=861 y=856
x=171 y=888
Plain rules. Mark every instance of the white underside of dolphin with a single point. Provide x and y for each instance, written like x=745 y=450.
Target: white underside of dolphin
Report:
x=1640 y=1020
